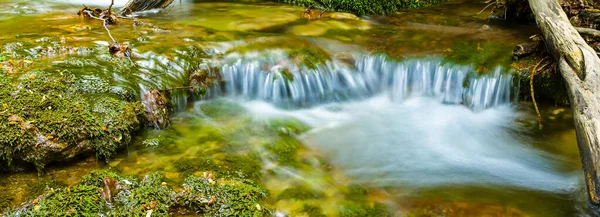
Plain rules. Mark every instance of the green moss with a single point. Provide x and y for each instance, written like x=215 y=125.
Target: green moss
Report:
x=285 y=150
x=150 y=194
x=356 y=192
x=38 y=188
x=79 y=200
x=246 y=166
x=311 y=210
x=483 y=55
x=351 y=209
x=364 y=7
x=6 y=200
x=287 y=126
x=309 y=57
x=300 y=192
x=45 y=118
x=96 y=177
x=223 y=198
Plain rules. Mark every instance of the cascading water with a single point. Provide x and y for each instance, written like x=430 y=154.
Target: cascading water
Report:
x=417 y=122
x=275 y=79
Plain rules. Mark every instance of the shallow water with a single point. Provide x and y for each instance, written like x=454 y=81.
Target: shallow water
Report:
x=428 y=137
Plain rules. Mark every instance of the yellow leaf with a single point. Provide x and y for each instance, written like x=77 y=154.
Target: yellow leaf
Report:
x=32 y=76
x=13 y=122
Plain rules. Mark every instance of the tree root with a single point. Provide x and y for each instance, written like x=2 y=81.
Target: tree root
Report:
x=533 y=73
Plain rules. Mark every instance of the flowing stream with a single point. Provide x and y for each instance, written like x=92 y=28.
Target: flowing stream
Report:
x=423 y=132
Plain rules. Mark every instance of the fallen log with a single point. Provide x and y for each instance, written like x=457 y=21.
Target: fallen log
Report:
x=580 y=68
x=143 y=5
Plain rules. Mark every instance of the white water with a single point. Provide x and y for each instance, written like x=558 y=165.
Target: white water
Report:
x=422 y=143
x=418 y=122
x=263 y=76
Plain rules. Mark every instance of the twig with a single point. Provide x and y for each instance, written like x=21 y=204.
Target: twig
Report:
x=108 y=31
x=490 y=4
x=103 y=24
x=112 y=2
x=537 y=110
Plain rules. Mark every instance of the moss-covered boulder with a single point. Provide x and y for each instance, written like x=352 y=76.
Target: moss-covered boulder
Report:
x=46 y=117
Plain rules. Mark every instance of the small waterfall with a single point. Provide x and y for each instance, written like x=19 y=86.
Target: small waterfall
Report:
x=276 y=79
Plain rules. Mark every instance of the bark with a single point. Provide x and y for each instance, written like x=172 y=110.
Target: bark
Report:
x=143 y=5
x=580 y=67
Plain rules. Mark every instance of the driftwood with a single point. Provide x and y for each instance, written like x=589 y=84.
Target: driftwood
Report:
x=143 y=5
x=580 y=67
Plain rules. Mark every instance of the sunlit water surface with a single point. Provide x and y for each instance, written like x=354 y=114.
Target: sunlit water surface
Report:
x=426 y=135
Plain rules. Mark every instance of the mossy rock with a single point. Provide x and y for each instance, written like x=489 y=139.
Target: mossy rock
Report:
x=46 y=118
x=205 y=195
x=364 y=7
x=233 y=197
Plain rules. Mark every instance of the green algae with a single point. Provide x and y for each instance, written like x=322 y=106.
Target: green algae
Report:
x=285 y=150
x=231 y=166
x=287 y=126
x=483 y=55
x=351 y=209
x=356 y=193
x=300 y=192
x=222 y=109
x=311 y=210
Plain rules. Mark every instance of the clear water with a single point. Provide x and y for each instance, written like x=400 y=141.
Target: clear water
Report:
x=429 y=137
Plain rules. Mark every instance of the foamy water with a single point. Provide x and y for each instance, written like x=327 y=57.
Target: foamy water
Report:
x=423 y=143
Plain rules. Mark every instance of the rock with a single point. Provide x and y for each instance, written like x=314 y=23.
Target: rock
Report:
x=51 y=120
x=157 y=109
